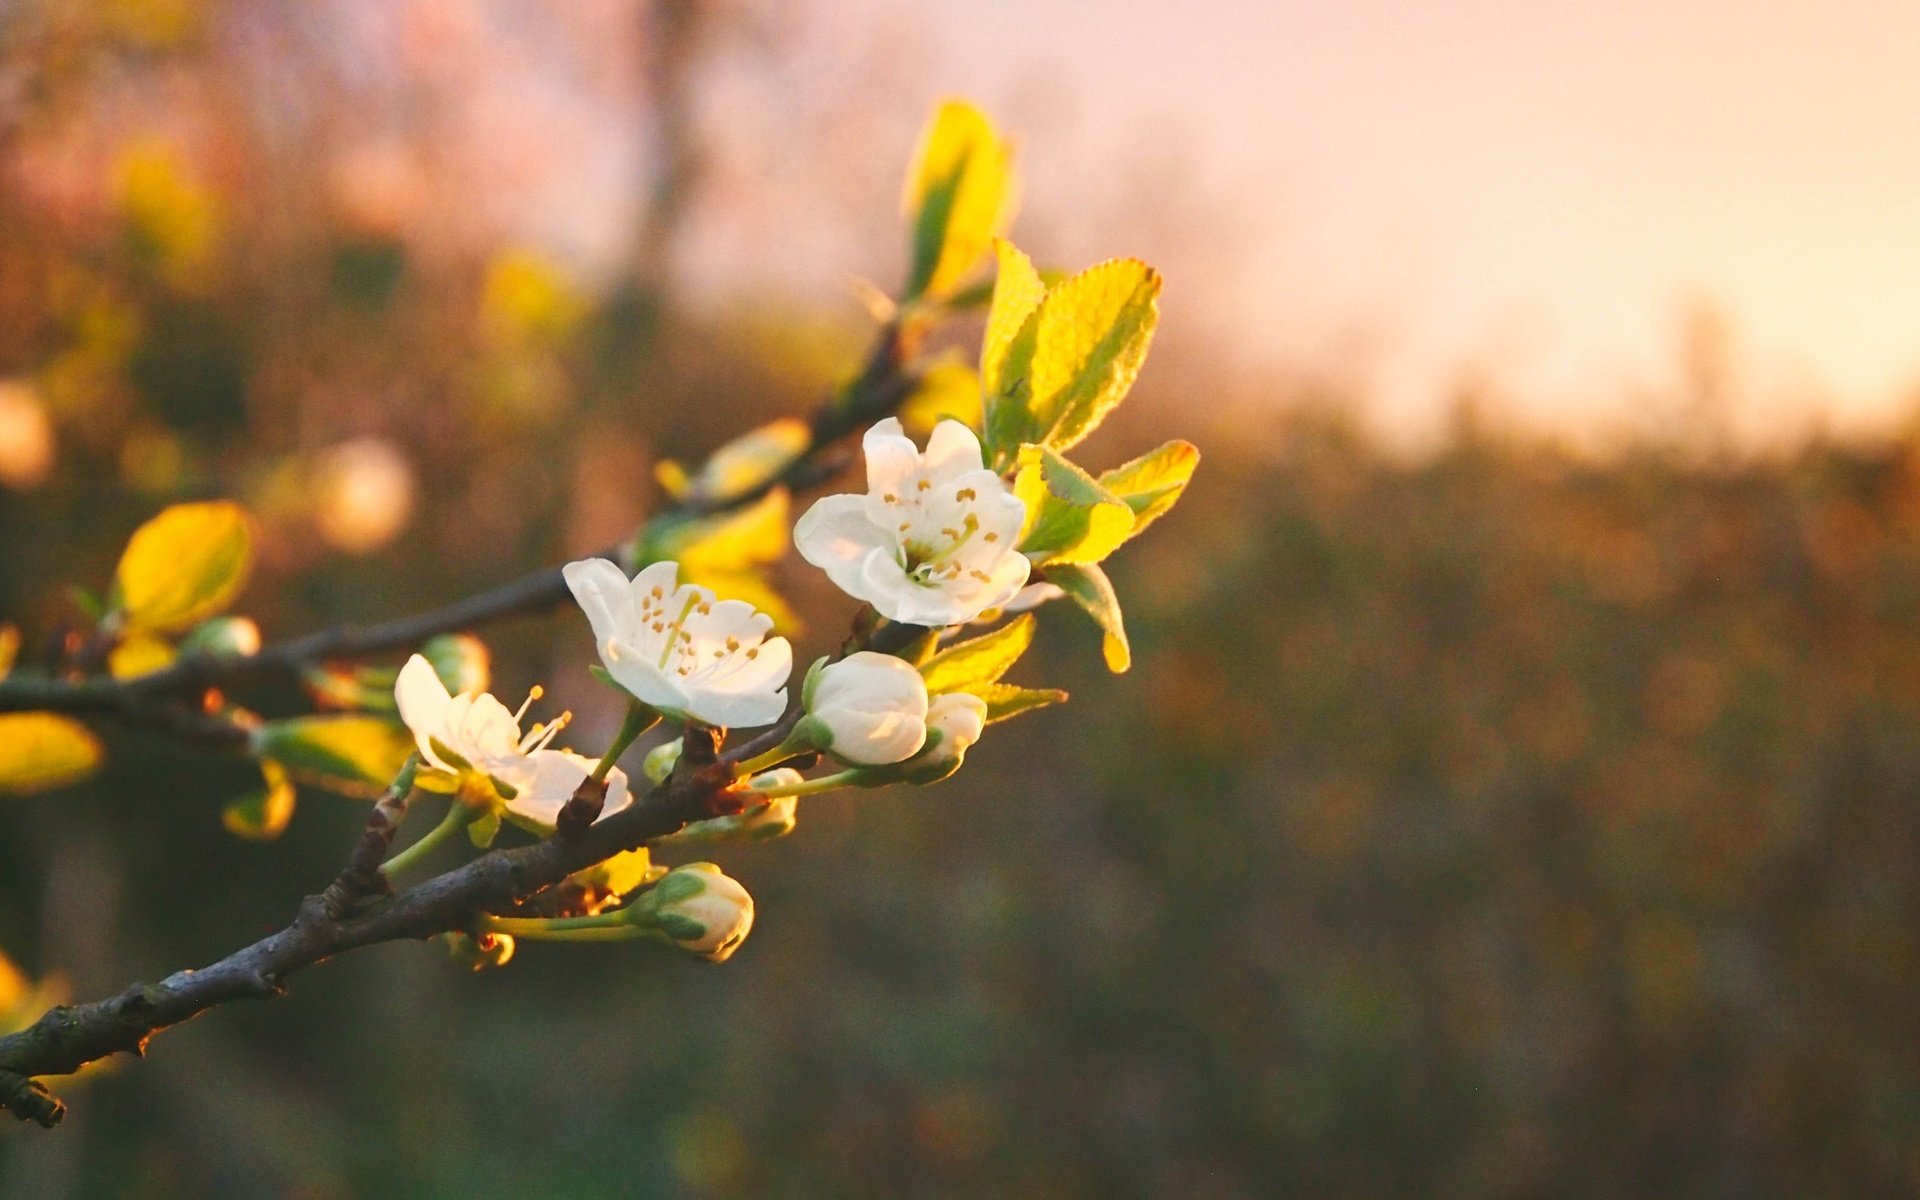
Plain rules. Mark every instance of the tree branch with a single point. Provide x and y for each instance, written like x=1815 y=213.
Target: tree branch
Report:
x=69 y=1037
x=883 y=383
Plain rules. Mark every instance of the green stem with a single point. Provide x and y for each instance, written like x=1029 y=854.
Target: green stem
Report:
x=808 y=787
x=458 y=817
x=794 y=743
x=608 y=927
x=638 y=720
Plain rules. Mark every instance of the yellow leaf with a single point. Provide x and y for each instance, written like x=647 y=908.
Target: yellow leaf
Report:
x=1017 y=293
x=350 y=753
x=40 y=750
x=959 y=194
x=1090 y=337
x=262 y=815
x=9 y=647
x=1071 y=518
x=14 y=986
x=139 y=654
x=752 y=536
x=527 y=294
x=1152 y=483
x=947 y=390
x=751 y=459
x=184 y=566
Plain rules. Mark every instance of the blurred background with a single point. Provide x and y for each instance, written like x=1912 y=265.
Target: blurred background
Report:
x=1515 y=790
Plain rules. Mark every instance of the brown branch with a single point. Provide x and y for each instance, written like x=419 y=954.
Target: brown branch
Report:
x=69 y=1037
x=361 y=877
x=154 y=700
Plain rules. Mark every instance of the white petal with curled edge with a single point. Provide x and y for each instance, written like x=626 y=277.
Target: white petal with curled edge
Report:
x=891 y=456
x=601 y=589
x=952 y=450
x=423 y=702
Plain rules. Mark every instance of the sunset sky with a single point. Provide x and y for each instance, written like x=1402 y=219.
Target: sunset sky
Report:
x=1533 y=191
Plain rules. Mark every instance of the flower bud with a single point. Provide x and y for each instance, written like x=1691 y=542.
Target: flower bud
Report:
x=461 y=661
x=661 y=760
x=868 y=709
x=699 y=909
x=223 y=637
x=954 y=723
x=762 y=820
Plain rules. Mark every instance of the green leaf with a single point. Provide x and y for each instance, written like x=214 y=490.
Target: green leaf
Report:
x=262 y=815
x=1004 y=700
x=1006 y=353
x=1152 y=483
x=353 y=753
x=1070 y=517
x=41 y=750
x=1090 y=588
x=959 y=194
x=970 y=665
x=1091 y=335
x=484 y=828
x=183 y=566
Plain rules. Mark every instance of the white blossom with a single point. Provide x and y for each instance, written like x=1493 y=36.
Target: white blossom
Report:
x=869 y=708
x=474 y=736
x=932 y=541
x=677 y=648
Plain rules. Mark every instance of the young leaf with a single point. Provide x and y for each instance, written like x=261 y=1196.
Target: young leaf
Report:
x=1091 y=335
x=183 y=566
x=970 y=665
x=40 y=750
x=1151 y=483
x=742 y=464
x=1090 y=589
x=959 y=194
x=139 y=654
x=1070 y=517
x=725 y=553
x=484 y=829
x=949 y=389
x=1006 y=353
x=262 y=815
x=1004 y=700
x=350 y=753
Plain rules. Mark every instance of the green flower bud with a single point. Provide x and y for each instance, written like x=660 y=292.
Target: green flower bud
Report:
x=699 y=909
x=223 y=637
x=461 y=661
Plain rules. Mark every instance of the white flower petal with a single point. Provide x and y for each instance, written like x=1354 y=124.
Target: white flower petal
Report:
x=742 y=710
x=423 y=701
x=551 y=778
x=644 y=678
x=891 y=456
x=836 y=534
x=952 y=450
x=601 y=589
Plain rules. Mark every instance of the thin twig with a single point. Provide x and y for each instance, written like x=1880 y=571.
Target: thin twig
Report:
x=69 y=1037
x=883 y=383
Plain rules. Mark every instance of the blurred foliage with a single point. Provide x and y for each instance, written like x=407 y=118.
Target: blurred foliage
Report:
x=1507 y=822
